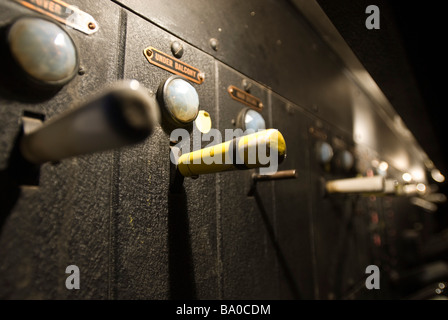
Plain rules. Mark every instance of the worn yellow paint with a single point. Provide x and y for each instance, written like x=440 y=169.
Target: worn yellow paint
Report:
x=216 y=158
x=203 y=121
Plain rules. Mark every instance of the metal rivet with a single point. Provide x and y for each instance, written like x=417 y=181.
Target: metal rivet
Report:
x=246 y=85
x=91 y=26
x=177 y=49
x=214 y=43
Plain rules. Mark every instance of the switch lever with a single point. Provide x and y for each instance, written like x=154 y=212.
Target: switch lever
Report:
x=122 y=115
x=374 y=184
x=280 y=175
x=240 y=153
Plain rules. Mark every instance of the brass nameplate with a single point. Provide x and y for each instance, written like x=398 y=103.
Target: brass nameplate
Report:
x=246 y=98
x=63 y=12
x=338 y=143
x=318 y=133
x=173 y=65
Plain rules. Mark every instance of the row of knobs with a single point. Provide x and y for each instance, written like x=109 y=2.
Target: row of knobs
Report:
x=126 y=114
x=40 y=55
x=46 y=56
x=342 y=160
x=43 y=57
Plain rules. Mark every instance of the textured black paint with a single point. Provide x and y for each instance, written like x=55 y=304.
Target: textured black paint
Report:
x=117 y=216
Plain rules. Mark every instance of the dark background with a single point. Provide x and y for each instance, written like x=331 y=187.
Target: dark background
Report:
x=406 y=58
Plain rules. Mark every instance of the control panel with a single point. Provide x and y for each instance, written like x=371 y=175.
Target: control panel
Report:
x=200 y=158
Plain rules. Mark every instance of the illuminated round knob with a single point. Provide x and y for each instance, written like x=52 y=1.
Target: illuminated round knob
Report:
x=43 y=51
x=345 y=160
x=179 y=100
x=324 y=152
x=249 y=119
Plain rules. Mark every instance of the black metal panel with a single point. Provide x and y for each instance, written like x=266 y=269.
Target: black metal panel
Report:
x=65 y=219
x=249 y=267
x=296 y=256
x=375 y=132
x=340 y=224
x=114 y=215
x=166 y=243
x=266 y=40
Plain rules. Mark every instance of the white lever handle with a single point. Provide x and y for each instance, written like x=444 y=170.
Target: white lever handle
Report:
x=123 y=115
x=356 y=185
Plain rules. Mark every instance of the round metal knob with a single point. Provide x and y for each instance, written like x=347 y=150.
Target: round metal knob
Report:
x=344 y=160
x=43 y=51
x=179 y=100
x=324 y=152
x=249 y=119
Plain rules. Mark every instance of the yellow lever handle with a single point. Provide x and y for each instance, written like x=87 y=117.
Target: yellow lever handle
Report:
x=265 y=148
